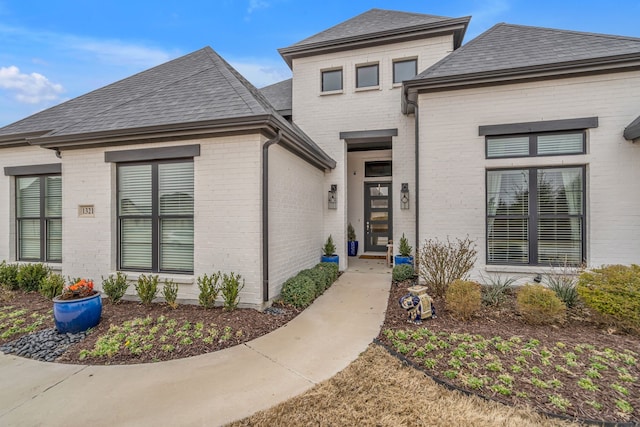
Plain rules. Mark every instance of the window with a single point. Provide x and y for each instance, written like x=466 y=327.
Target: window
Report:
x=535 y=216
x=367 y=76
x=155 y=216
x=545 y=144
x=377 y=169
x=331 y=80
x=39 y=218
x=404 y=70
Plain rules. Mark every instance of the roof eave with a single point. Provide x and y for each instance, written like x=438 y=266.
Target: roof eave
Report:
x=19 y=139
x=456 y=25
x=619 y=63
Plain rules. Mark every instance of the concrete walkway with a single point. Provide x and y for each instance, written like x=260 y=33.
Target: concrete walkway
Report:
x=212 y=389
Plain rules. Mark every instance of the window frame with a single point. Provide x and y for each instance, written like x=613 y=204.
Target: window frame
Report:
x=43 y=219
x=398 y=61
x=331 y=70
x=155 y=216
x=368 y=65
x=533 y=144
x=533 y=215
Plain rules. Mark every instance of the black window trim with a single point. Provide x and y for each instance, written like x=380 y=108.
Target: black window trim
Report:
x=397 y=61
x=533 y=214
x=367 y=65
x=44 y=220
x=155 y=217
x=533 y=144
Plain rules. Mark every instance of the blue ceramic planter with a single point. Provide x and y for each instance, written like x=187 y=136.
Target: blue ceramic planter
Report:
x=332 y=258
x=353 y=248
x=399 y=259
x=77 y=315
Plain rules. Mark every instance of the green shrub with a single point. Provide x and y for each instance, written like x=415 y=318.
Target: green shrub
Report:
x=404 y=249
x=299 y=291
x=351 y=233
x=496 y=288
x=147 y=288
x=463 y=298
x=613 y=292
x=231 y=290
x=403 y=272
x=329 y=248
x=320 y=276
x=9 y=275
x=440 y=263
x=115 y=287
x=539 y=305
x=170 y=293
x=52 y=285
x=332 y=268
x=30 y=276
x=209 y=289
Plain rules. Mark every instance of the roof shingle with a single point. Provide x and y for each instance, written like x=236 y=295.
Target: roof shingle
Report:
x=507 y=46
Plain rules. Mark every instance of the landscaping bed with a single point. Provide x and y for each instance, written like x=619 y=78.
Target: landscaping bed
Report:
x=578 y=369
x=130 y=332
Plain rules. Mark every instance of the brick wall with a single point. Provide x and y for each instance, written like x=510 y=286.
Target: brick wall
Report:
x=453 y=164
x=323 y=117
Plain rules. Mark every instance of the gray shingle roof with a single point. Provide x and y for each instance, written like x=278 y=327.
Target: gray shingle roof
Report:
x=195 y=87
x=280 y=95
x=376 y=27
x=505 y=46
x=632 y=131
x=371 y=22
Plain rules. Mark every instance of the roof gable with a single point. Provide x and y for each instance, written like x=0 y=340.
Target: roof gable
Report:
x=374 y=27
x=507 y=48
x=195 y=87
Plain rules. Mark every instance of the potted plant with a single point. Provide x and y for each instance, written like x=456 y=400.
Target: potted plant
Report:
x=353 y=243
x=328 y=251
x=78 y=308
x=405 y=252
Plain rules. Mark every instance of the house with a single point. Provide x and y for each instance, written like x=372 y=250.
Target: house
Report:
x=525 y=139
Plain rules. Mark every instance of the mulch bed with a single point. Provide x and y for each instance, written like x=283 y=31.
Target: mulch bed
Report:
x=252 y=323
x=504 y=321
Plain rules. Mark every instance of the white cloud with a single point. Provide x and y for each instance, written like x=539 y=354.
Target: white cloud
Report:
x=31 y=88
x=256 y=5
x=261 y=74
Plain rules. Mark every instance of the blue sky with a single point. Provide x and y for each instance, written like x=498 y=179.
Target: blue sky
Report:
x=52 y=51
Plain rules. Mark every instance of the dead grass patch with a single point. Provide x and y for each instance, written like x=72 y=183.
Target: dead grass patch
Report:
x=379 y=390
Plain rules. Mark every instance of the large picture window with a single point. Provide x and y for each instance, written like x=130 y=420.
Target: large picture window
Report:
x=155 y=216
x=39 y=218
x=535 y=216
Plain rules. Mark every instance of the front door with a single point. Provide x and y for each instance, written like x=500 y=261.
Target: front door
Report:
x=377 y=216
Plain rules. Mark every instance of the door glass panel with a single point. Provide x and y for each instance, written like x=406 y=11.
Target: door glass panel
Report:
x=379 y=216
x=379 y=203
x=379 y=228
x=379 y=191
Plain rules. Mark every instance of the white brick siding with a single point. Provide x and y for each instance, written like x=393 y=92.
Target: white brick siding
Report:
x=453 y=164
x=323 y=117
x=296 y=194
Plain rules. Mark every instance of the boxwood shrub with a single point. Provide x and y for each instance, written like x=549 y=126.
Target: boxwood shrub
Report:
x=332 y=267
x=9 y=275
x=402 y=272
x=30 y=276
x=463 y=298
x=540 y=305
x=299 y=291
x=613 y=292
x=320 y=276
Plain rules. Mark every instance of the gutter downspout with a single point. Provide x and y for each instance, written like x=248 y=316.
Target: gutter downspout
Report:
x=417 y=177
x=265 y=214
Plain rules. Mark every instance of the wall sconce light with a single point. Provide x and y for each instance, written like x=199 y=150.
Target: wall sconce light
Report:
x=404 y=196
x=333 y=199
